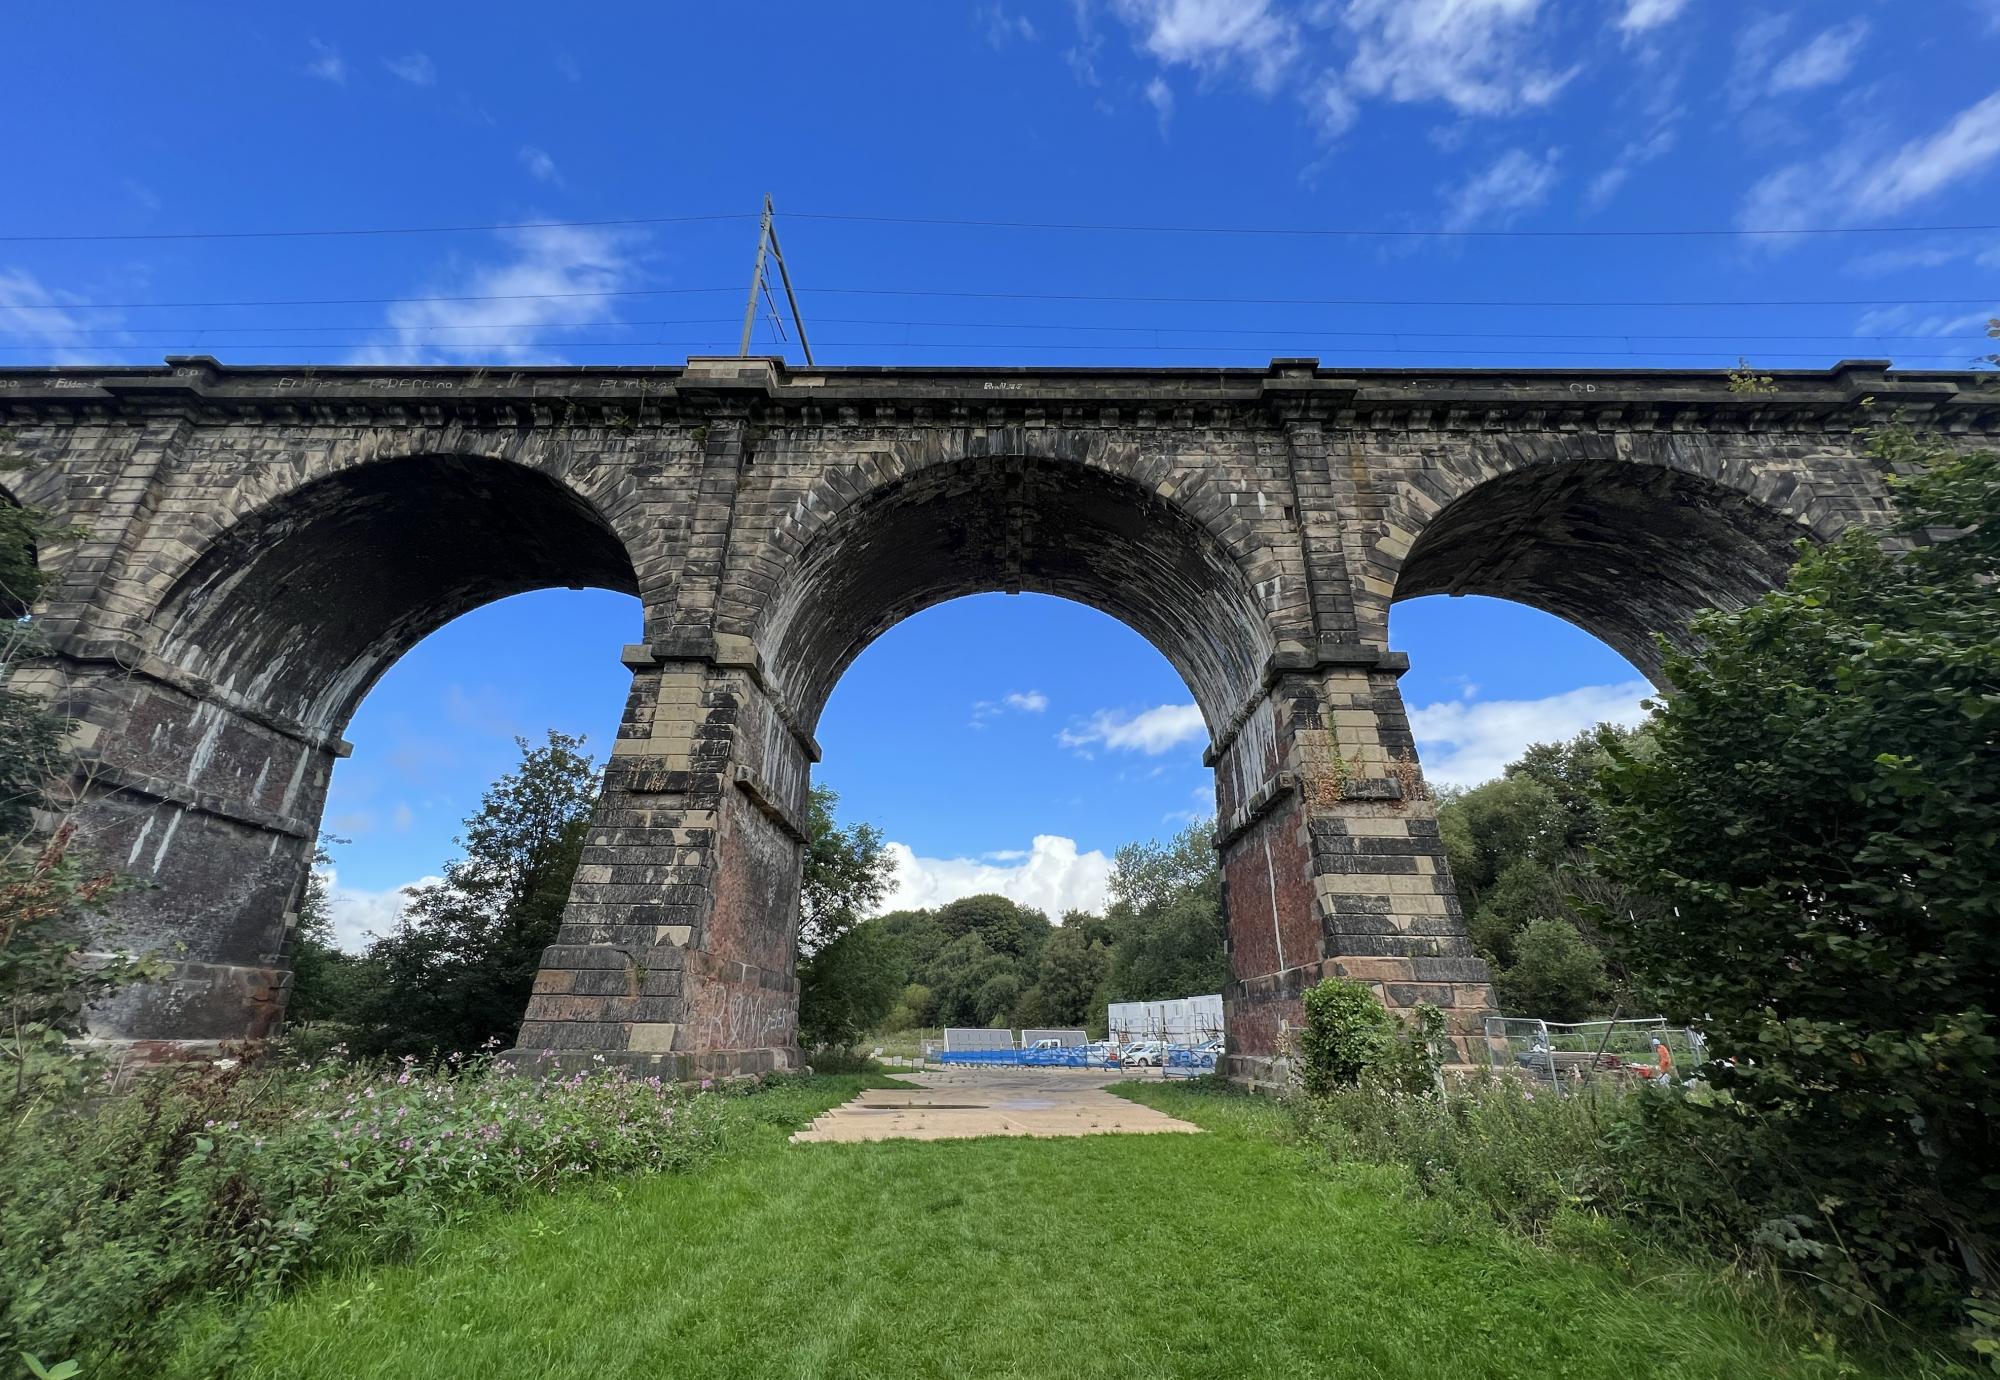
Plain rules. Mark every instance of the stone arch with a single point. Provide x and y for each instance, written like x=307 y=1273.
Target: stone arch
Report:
x=1147 y=554
x=299 y=606
x=1622 y=548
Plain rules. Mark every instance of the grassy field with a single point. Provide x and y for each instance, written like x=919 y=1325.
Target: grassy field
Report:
x=1226 y=1254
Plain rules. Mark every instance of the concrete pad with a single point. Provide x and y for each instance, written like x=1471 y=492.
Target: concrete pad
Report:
x=955 y=1104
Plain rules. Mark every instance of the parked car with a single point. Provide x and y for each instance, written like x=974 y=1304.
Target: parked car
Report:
x=1147 y=1053
x=1104 y=1052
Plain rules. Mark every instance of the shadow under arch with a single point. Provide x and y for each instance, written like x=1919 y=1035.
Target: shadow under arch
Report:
x=1014 y=524
x=1622 y=550
x=301 y=605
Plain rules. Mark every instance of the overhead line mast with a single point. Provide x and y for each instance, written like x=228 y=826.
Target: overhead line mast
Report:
x=767 y=238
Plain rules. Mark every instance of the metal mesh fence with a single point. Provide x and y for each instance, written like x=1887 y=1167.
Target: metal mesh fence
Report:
x=1567 y=1054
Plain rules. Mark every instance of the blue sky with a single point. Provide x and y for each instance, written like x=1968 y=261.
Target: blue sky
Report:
x=880 y=130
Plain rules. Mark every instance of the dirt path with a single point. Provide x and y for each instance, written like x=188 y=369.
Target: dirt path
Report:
x=957 y=1103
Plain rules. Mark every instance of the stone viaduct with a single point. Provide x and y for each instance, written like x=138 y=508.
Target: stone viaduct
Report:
x=258 y=544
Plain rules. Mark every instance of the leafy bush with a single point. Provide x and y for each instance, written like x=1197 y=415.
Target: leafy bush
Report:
x=227 y=1183
x=1821 y=812
x=1495 y=1145
x=1350 y=1038
x=1347 y=1032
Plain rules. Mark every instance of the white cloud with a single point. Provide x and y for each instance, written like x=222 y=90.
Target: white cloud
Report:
x=415 y=68
x=1151 y=731
x=1828 y=58
x=1866 y=177
x=327 y=63
x=1643 y=15
x=1052 y=877
x=1631 y=158
x=31 y=314
x=540 y=166
x=1003 y=28
x=1021 y=701
x=1907 y=321
x=1477 y=56
x=1517 y=181
x=360 y=915
x=1464 y=742
x=1161 y=97
x=555 y=276
x=1215 y=35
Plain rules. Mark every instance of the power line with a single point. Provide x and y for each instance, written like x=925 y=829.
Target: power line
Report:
x=375 y=329
x=362 y=231
x=970 y=222
x=1497 y=302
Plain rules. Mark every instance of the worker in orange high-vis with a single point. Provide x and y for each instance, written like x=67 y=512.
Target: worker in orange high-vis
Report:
x=1664 y=1058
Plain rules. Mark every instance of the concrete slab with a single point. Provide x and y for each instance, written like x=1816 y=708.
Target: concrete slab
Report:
x=956 y=1104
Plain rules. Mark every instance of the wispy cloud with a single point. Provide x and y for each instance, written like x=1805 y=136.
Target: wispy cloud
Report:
x=1052 y=876
x=1643 y=16
x=1463 y=742
x=1151 y=731
x=1161 y=97
x=34 y=314
x=1826 y=59
x=1002 y=28
x=415 y=68
x=1517 y=181
x=1869 y=175
x=1634 y=156
x=327 y=63
x=540 y=166
x=1477 y=56
x=1214 y=36
x=1016 y=701
x=554 y=276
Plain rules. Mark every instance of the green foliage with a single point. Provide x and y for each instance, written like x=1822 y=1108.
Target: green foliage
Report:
x=1275 y=1267
x=846 y=873
x=847 y=989
x=1347 y=1032
x=1555 y=973
x=1519 y=853
x=1071 y=973
x=1003 y=927
x=456 y=971
x=1821 y=814
x=233 y=1182
x=1166 y=913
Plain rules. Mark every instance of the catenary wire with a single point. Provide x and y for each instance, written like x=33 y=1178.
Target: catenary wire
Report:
x=1496 y=302
x=973 y=222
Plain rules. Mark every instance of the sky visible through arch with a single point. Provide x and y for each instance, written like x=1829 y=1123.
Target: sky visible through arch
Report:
x=986 y=183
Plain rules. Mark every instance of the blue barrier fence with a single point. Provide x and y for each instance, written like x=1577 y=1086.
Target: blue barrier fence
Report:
x=1182 y=1061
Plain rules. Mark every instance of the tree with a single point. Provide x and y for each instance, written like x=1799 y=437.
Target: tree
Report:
x=1519 y=853
x=457 y=969
x=1166 y=909
x=848 y=988
x=1013 y=930
x=846 y=873
x=1555 y=972
x=850 y=972
x=1070 y=975
x=328 y=985
x=1821 y=814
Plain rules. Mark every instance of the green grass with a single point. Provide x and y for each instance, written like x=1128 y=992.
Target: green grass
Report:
x=1226 y=1254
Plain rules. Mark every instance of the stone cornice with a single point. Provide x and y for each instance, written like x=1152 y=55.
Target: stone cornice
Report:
x=769 y=392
